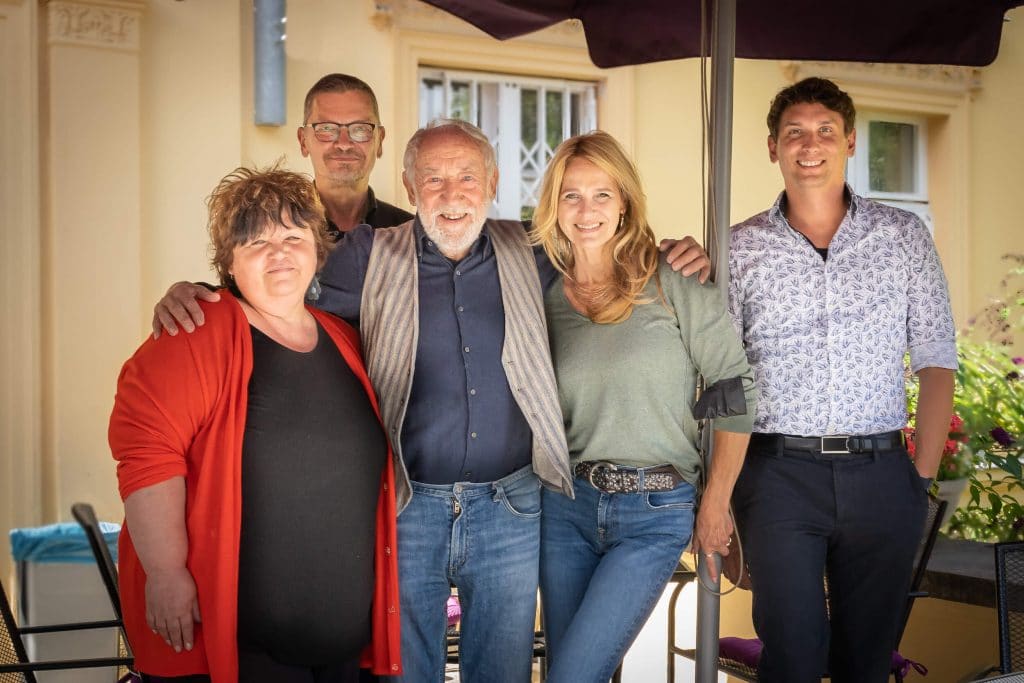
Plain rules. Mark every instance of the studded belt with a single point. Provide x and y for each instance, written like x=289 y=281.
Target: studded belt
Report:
x=611 y=478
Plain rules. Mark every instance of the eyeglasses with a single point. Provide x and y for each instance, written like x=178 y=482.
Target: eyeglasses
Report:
x=328 y=131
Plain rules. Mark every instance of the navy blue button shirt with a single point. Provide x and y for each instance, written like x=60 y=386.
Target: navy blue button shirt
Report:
x=462 y=422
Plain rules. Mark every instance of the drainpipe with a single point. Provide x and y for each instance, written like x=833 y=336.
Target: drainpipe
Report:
x=269 y=23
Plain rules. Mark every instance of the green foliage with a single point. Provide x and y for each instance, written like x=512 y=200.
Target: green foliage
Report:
x=990 y=399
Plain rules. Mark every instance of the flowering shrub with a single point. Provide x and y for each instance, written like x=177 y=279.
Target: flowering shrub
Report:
x=957 y=460
x=990 y=399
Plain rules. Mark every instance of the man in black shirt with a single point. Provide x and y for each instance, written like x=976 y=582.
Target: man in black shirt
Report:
x=343 y=137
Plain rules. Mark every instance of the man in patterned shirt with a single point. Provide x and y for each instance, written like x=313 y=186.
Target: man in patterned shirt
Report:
x=828 y=291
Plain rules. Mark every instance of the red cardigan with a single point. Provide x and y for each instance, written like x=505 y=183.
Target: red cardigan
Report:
x=180 y=411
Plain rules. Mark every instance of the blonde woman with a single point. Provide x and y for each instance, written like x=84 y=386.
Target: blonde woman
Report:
x=628 y=339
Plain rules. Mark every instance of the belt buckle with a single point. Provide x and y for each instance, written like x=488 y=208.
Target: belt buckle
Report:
x=599 y=465
x=835 y=444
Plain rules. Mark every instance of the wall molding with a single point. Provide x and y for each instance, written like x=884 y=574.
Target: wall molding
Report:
x=95 y=24
x=954 y=80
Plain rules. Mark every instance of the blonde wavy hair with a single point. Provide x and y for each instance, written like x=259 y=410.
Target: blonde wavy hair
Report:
x=634 y=251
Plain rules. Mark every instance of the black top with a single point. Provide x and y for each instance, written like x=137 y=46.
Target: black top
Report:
x=312 y=459
x=378 y=215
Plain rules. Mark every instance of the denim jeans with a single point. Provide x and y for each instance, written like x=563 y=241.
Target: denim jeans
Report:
x=605 y=560
x=856 y=519
x=485 y=540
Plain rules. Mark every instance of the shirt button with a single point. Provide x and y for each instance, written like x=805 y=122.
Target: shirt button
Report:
x=466 y=349
x=472 y=435
x=472 y=392
x=461 y=309
x=458 y=272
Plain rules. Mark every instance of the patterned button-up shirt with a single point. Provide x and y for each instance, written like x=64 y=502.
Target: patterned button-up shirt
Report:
x=826 y=338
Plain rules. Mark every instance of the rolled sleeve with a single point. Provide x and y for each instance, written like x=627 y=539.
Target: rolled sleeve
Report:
x=715 y=347
x=931 y=334
x=158 y=410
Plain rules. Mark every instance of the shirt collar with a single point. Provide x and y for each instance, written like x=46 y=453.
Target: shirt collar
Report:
x=481 y=247
x=371 y=207
x=777 y=216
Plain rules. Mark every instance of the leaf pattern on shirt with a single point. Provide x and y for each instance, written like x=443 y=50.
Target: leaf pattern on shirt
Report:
x=826 y=339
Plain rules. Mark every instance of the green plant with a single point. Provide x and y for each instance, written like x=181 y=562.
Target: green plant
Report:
x=990 y=399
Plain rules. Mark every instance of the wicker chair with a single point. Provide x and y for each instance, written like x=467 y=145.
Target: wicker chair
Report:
x=748 y=672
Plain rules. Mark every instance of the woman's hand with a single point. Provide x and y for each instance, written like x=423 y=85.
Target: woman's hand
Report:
x=172 y=606
x=713 y=530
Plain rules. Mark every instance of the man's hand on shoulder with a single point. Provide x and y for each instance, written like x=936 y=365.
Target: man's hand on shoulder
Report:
x=687 y=257
x=180 y=306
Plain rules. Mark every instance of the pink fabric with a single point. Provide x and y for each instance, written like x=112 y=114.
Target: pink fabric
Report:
x=747 y=651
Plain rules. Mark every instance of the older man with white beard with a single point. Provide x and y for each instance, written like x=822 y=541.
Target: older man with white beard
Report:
x=453 y=327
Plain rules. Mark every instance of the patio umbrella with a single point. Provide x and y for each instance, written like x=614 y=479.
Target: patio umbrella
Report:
x=626 y=32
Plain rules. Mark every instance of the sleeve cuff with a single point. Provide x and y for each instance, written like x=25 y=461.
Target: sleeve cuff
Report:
x=940 y=354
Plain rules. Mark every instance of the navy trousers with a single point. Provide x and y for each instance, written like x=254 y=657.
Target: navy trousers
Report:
x=853 y=519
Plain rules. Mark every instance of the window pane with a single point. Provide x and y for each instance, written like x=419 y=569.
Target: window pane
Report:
x=528 y=109
x=431 y=99
x=460 y=106
x=554 y=113
x=892 y=155
x=576 y=115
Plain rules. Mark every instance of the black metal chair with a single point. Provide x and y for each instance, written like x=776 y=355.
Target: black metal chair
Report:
x=86 y=518
x=15 y=666
x=747 y=671
x=1010 y=605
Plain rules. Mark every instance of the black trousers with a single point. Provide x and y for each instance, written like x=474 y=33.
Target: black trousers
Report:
x=855 y=519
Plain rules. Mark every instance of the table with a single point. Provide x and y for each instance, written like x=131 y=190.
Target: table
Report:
x=962 y=571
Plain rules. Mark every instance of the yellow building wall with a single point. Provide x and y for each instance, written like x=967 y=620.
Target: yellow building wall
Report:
x=134 y=140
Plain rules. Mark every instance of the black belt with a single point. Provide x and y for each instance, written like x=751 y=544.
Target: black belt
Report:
x=834 y=444
x=611 y=478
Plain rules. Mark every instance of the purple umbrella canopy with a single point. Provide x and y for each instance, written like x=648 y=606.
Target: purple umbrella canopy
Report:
x=622 y=32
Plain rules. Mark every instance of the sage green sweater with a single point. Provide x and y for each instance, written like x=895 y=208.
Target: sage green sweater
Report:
x=627 y=389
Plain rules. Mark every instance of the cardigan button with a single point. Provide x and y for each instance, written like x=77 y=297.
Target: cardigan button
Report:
x=394 y=667
x=387 y=550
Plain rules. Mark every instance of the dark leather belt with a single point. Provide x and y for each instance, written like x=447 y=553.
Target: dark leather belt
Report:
x=611 y=478
x=834 y=444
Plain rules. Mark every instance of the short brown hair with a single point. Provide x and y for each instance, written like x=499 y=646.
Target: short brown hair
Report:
x=812 y=90
x=247 y=200
x=338 y=83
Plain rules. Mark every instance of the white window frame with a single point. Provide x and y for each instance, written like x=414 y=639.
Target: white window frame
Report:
x=520 y=169
x=858 y=170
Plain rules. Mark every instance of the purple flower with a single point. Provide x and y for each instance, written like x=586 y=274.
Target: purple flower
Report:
x=1018 y=360
x=1002 y=436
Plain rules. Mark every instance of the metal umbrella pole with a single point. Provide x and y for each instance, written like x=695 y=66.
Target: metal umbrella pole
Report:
x=722 y=59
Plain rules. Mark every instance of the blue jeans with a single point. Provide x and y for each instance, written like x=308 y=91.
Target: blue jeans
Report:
x=605 y=560
x=485 y=540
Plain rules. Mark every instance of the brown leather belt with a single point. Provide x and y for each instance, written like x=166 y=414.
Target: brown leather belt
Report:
x=611 y=478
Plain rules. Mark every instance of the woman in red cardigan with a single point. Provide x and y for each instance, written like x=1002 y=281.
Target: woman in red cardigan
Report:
x=259 y=538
